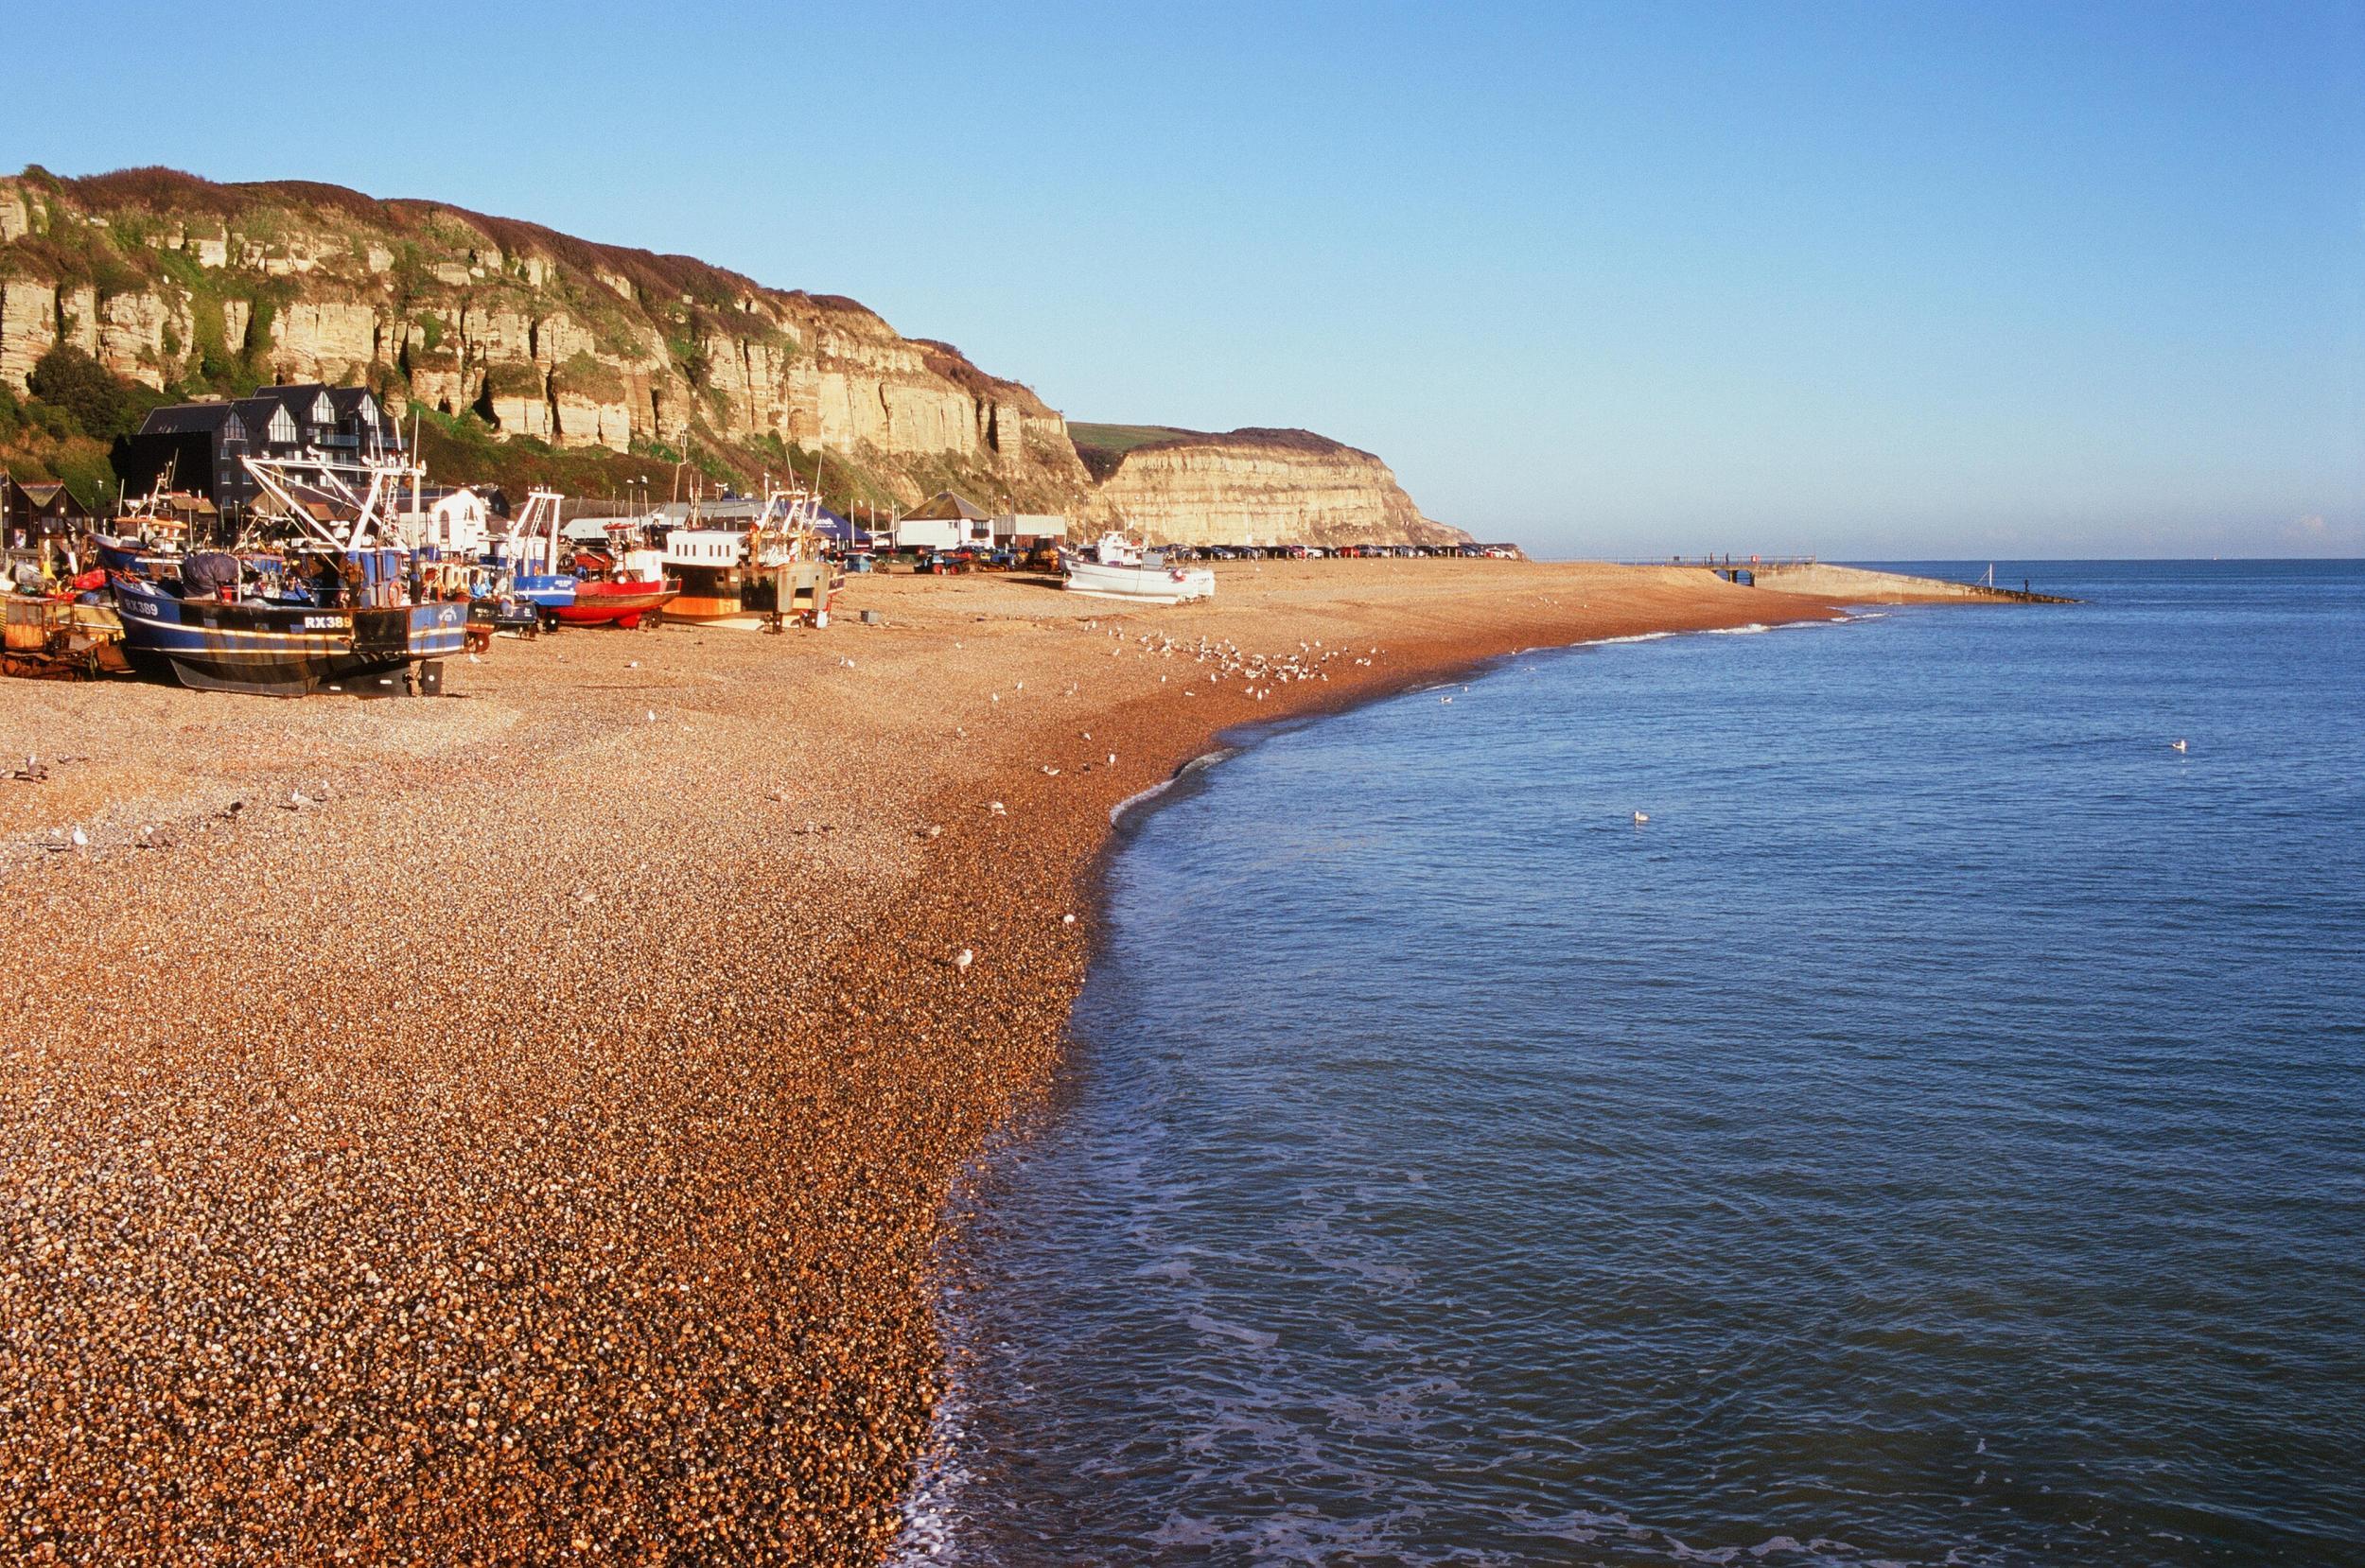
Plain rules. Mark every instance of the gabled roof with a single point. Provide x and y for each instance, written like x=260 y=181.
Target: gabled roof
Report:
x=182 y=419
x=297 y=397
x=254 y=413
x=945 y=506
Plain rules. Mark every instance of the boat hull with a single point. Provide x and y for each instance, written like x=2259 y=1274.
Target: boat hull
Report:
x=625 y=604
x=1143 y=585
x=548 y=592
x=279 y=650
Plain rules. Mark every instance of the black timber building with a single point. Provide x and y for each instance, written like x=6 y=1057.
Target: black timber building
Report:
x=197 y=446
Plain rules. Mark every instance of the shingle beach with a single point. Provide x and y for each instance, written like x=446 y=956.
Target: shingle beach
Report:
x=515 y=1128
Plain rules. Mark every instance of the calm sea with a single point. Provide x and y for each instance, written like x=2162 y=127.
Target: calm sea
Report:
x=1937 y=1136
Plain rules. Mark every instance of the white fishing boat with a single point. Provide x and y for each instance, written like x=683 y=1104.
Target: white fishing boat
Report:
x=1119 y=568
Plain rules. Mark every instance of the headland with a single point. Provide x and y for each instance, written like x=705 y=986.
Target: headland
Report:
x=520 y=1120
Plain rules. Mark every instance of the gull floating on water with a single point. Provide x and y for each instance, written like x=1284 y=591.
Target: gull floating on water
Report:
x=1641 y=817
x=2176 y=746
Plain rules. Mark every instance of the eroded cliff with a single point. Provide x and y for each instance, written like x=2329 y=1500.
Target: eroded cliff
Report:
x=528 y=341
x=175 y=282
x=1250 y=487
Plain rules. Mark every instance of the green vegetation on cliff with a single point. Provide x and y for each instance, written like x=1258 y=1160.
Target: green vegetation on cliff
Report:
x=1103 y=446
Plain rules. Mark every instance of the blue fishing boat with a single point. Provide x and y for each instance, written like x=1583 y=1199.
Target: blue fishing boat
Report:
x=274 y=647
x=329 y=611
x=534 y=552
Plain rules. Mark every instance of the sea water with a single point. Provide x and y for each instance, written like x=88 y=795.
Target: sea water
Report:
x=1938 y=1135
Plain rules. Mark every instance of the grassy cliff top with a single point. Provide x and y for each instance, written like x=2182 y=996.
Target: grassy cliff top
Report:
x=1104 y=448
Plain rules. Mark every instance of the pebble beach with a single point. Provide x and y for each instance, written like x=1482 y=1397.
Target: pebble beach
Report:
x=515 y=1128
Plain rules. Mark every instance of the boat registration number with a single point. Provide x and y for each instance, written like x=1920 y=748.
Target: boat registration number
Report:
x=323 y=623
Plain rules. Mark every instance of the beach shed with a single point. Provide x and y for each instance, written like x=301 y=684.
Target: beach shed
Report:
x=1020 y=530
x=39 y=511
x=947 y=520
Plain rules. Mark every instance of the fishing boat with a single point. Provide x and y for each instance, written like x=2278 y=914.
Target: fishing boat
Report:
x=534 y=554
x=1119 y=568
x=775 y=570
x=328 y=610
x=623 y=584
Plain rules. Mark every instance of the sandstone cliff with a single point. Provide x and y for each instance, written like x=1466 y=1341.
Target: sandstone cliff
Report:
x=1253 y=486
x=530 y=341
x=172 y=281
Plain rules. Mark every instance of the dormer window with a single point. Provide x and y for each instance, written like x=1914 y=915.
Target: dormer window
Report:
x=282 y=429
x=324 y=411
x=369 y=412
x=232 y=429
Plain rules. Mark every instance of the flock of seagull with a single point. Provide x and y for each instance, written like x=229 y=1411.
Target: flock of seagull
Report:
x=1264 y=672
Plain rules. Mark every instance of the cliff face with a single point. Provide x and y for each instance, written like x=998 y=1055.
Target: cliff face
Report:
x=191 y=288
x=1251 y=486
x=175 y=282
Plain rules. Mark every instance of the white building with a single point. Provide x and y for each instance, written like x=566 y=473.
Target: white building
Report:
x=944 y=521
x=457 y=525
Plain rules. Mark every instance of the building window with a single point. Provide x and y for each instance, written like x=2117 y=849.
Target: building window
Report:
x=324 y=411
x=282 y=428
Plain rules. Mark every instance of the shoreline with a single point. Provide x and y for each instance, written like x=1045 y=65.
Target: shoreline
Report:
x=581 y=1195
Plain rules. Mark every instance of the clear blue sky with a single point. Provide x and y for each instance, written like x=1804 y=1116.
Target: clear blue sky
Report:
x=1889 y=279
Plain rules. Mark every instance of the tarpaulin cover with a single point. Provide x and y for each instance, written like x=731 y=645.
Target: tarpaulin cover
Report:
x=206 y=573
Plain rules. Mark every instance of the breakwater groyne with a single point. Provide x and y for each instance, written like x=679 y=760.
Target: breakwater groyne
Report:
x=1858 y=584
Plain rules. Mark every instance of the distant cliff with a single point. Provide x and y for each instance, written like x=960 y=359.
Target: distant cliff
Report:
x=1253 y=486
x=540 y=357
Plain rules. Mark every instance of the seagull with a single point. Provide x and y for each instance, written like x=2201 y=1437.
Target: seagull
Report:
x=1641 y=817
x=964 y=961
x=81 y=840
x=1445 y=699
x=997 y=809
x=1067 y=919
x=2176 y=746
